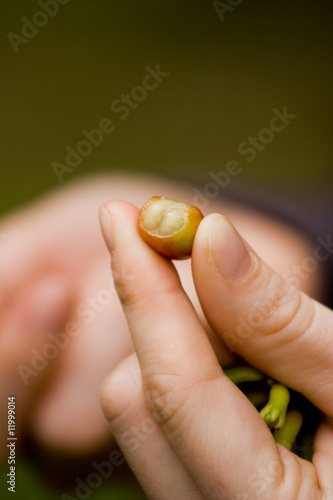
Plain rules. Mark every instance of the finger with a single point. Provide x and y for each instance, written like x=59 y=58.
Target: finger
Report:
x=83 y=361
x=68 y=417
x=224 y=355
x=264 y=318
x=21 y=254
x=142 y=441
x=202 y=413
x=37 y=310
x=323 y=456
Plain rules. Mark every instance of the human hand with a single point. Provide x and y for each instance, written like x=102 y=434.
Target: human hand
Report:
x=184 y=427
x=53 y=272
x=53 y=265
x=52 y=269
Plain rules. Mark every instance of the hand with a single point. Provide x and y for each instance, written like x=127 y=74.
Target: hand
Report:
x=184 y=427
x=53 y=272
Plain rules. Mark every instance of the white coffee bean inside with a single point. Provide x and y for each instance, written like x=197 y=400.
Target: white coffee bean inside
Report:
x=166 y=217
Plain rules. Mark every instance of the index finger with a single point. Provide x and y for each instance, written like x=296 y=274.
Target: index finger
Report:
x=210 y=424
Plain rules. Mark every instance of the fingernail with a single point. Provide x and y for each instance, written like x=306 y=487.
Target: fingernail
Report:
x=106 y=225
x=227 y=250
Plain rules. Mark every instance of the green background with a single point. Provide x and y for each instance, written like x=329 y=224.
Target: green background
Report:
x=225 y=78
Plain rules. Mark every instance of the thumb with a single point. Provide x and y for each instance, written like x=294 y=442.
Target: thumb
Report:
x=265 y=319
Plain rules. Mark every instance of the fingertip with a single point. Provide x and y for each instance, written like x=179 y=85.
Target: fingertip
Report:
x=112 y=212
x=119 y=208
x=201 y=241
x=225 y=248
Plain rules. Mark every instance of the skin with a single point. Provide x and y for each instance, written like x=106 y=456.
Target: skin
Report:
x=52 y=263
x=208 y=437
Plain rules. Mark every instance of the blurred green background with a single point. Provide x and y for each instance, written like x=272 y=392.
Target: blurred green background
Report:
x=226 y=76
x=225 y=79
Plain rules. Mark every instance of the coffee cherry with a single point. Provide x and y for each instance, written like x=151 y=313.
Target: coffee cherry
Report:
x=169 y=226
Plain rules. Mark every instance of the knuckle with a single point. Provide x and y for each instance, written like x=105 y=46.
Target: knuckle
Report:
x=137 y=292
x=295 y=317
x=165 y=395
x=299 y=480
x=284 y=308
x=172 y=396
x=279 y=312
x=283 y=303
x=124 y=282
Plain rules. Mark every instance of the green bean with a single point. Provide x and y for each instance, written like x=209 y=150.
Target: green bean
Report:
x=306 y=447
x=274 y=413
x=239 y=374
x=287 y=434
